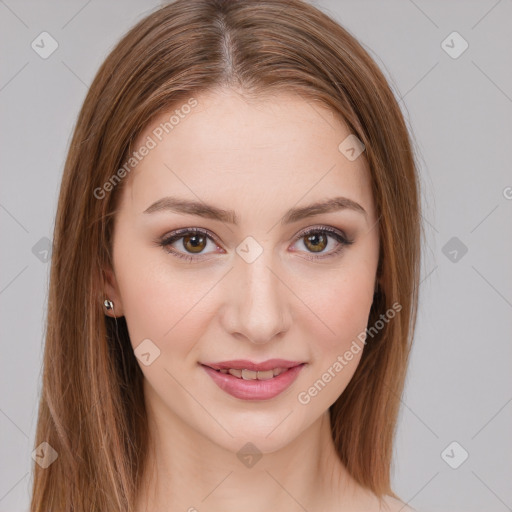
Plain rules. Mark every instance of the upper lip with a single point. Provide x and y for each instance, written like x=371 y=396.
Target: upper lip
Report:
x=242 y=364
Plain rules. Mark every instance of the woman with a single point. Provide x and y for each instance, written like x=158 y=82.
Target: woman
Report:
x=235 y=269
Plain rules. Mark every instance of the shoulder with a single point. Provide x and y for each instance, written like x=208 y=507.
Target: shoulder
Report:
x=391 y=504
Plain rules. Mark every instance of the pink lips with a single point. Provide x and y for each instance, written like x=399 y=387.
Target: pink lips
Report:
x=249 y=365
x=253 y=389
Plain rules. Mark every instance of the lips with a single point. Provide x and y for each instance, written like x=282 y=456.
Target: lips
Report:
x=243 y=364
x=252 y=375
x=254 y=381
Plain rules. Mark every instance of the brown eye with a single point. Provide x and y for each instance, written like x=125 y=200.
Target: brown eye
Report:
x=316 y=242
x=194 y=243
x=188 y=243
x=317 y=239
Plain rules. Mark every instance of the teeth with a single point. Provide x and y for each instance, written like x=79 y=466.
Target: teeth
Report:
x=269 y=374
x=252 y=375
x=249 y=375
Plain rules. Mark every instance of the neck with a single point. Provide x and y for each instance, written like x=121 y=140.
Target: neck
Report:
x=186 y=471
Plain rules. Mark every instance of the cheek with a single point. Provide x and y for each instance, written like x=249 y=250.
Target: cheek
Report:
x=342 y=306
x=158 y=301
x=161 y=308
x=165 y=308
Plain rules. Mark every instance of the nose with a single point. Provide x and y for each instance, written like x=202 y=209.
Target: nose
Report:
x=258 y=307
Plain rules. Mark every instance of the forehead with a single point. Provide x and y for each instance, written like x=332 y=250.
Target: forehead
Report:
x=230 y=150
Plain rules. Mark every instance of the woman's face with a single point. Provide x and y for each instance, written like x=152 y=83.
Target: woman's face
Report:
x=251 y=285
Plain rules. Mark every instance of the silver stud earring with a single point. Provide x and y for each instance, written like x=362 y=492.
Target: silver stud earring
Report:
x=108 y=304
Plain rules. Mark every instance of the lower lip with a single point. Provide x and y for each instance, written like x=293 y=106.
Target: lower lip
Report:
x=254 y=389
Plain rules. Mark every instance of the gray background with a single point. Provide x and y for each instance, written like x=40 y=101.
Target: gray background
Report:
x=459 y=385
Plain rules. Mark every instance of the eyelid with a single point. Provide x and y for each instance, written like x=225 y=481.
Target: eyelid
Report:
x=328 y=229
x=179 y=233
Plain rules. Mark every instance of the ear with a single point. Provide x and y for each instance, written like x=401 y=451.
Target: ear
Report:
x=111 y=292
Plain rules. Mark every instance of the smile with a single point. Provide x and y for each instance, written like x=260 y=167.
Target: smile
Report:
x=252 y=375
x=253 y=383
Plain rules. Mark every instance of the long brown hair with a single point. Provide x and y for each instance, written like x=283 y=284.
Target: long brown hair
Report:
x=92 y=410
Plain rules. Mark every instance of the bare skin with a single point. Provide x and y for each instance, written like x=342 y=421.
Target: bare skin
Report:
x=259 y=159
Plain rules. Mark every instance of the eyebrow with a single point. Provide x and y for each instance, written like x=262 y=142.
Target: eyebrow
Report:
x=185 y=206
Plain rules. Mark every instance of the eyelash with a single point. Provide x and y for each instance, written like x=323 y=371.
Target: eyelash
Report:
x=180 y=233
